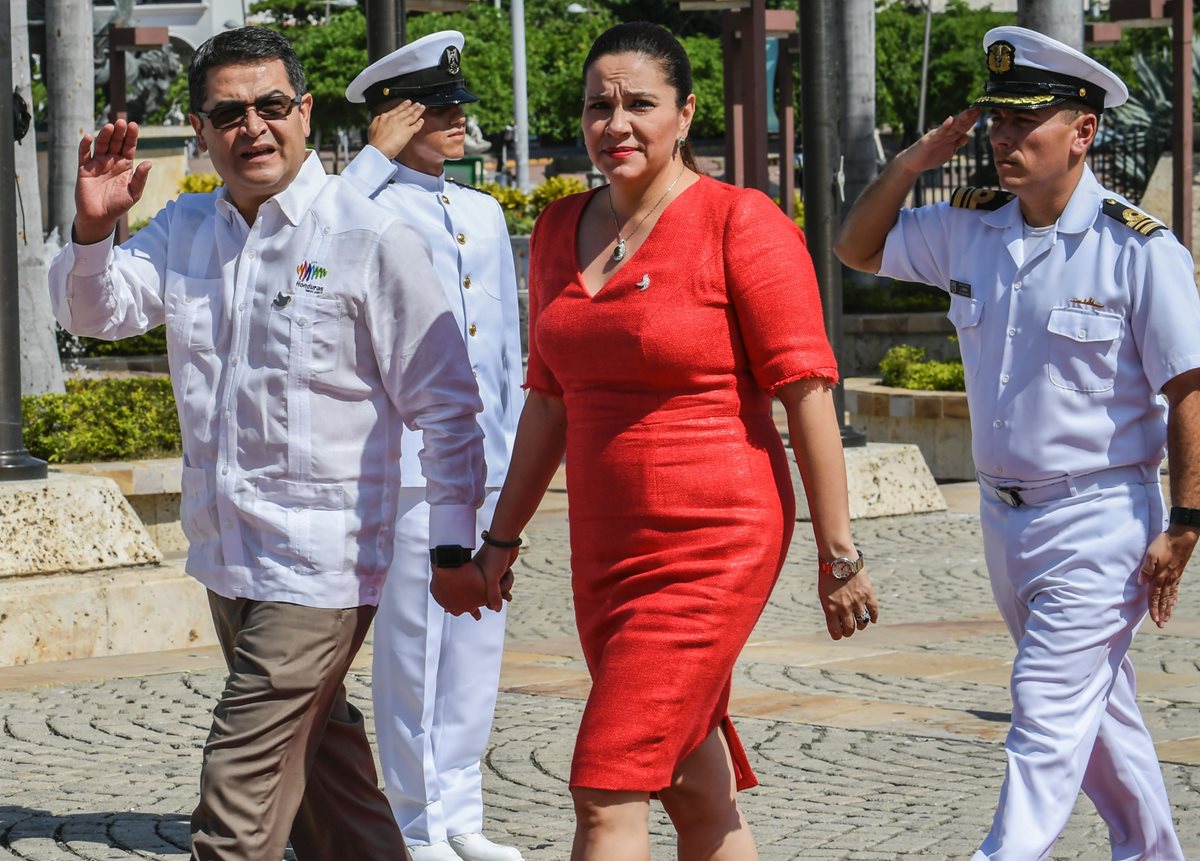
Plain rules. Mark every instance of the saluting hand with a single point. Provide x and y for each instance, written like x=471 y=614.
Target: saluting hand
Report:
x=107 y=185
x=938 y=145
x=391 y=131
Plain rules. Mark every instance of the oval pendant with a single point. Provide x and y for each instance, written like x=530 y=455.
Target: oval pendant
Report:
x=619 y=251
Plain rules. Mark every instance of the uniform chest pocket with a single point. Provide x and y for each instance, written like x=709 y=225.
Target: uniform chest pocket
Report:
x=966 y=313
x=1083 y=349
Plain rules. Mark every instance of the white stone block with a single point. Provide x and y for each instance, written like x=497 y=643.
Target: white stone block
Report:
x=69 y=523
x=883 y=479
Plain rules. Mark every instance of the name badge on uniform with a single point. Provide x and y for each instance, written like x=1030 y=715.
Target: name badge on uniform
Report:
x=960 y=288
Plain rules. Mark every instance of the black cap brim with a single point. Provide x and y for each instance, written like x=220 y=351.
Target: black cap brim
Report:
x=456 y=96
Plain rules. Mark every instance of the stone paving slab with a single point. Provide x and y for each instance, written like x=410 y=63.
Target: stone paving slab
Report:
x=888 y=745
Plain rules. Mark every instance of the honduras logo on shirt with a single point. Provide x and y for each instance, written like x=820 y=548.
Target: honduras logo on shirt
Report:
x=307 y=276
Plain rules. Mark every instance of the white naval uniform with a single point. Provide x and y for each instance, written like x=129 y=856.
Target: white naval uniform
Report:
x=435 y=676
x=1065 y=354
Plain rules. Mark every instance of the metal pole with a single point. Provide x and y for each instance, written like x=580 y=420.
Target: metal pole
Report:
x=818 y=74
x=918 y=189
x=381 y=29
x=520 y=95
x=16 y=464
x=1182 y=137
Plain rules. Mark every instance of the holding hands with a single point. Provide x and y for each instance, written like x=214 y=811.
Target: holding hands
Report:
x=108 y=184
x=485 y=581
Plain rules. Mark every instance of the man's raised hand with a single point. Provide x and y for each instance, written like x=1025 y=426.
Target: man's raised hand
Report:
x=108 y=184
x=938 y=145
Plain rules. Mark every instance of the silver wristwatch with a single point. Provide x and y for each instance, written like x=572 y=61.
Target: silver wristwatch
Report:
x=841 y=567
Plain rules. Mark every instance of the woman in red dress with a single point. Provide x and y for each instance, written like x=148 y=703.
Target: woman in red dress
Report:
x=666 y=309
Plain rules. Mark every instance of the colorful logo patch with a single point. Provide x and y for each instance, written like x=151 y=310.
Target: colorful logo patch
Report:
x=308 y=274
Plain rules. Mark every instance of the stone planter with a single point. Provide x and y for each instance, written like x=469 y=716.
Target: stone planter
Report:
x=936 y=422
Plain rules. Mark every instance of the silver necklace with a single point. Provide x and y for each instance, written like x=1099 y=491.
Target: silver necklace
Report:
x=619 y=252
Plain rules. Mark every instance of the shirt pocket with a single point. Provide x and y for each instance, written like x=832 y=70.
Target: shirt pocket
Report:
x=314 y=331
x=302 y=525
x=195 y=505
x=1083 y=349
x=191 y=324
x=966 y=313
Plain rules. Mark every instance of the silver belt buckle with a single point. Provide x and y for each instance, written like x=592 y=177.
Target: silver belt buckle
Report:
x=1010 y=496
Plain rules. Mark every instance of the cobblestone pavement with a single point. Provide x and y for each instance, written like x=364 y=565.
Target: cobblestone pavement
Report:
x=888 y=745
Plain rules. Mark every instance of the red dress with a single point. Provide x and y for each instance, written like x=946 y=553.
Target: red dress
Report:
x=681 y=500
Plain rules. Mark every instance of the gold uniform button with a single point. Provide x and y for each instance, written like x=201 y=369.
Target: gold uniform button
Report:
x=445 y=199
x=462 y=240
x=472 y=329
x=467 y=281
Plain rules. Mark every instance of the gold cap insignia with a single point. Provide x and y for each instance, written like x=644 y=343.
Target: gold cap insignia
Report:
x=1000 y=57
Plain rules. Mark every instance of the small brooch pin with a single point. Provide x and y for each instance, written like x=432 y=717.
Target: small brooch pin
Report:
x=1089 y=302
x=281 y=300
x=644 y=284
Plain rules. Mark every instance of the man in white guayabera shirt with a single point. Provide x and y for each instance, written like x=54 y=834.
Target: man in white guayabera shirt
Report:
x=1077 y=317
x=302 y=337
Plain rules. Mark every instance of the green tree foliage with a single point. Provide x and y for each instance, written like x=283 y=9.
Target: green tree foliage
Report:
x=957 y=72
x=708 y=81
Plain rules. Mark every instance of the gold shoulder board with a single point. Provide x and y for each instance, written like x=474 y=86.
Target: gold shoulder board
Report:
x=970 y=197
x=1132 y=218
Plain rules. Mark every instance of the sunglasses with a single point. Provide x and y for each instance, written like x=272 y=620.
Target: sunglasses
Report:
x=226 y=115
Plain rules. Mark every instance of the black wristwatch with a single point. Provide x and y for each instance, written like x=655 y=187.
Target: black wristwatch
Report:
x=1185 y=516
x=450 y=556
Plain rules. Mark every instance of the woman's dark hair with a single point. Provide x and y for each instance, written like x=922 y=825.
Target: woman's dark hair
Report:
x=657 y=43
x=238 y=47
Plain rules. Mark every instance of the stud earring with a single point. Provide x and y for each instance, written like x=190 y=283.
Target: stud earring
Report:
x=681 y=142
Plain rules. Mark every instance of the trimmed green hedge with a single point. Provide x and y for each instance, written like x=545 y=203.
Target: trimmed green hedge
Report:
x=112 y=418
x=905 y=367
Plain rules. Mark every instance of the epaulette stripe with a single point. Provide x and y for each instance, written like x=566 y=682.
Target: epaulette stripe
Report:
x=970 y=197
x=465 y=185
x=1132 y=218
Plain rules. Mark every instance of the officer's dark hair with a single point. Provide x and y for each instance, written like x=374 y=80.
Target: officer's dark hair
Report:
x=239 y=47
x=657 y=43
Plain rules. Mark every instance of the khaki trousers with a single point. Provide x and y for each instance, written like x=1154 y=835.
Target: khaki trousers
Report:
x=287 y=755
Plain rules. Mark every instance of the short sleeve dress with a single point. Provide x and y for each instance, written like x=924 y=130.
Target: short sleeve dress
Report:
x=681 y=500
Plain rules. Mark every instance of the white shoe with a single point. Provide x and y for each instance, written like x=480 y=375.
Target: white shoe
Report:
x=439 y=851
x=476 y=847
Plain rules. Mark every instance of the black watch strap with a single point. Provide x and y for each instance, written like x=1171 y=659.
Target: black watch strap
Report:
x=1185 y=516
x=450 y=555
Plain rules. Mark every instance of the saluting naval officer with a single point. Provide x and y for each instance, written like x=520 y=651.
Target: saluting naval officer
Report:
x=435 y=676
x=1077 y=317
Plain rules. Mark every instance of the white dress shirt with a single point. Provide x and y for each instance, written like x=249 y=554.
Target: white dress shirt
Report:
x=299 y=346
x=1065 y=353
x=473 y=257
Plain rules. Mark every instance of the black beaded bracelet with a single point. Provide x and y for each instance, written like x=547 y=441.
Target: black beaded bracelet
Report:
x=496 y=542
x=1185 y=516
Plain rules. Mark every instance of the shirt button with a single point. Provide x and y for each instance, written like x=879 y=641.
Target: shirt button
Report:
x=462 y=240
x=445 y=199
x=252 y=254
x=472 y=329
x=187 y=300
x=241 y=306
x=226 y=413
x=997 y=424
x=234 y=361
x=1082 y=334
x=467 y=282
x=1004 y=378
x=1012 y=333
x=325 y=230
x=1016 y=285
x=475 y=373
x=224 y=470
x=302 y=322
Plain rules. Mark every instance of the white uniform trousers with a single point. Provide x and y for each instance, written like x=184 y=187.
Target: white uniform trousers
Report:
x=434 y=683
x=1065 y=578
